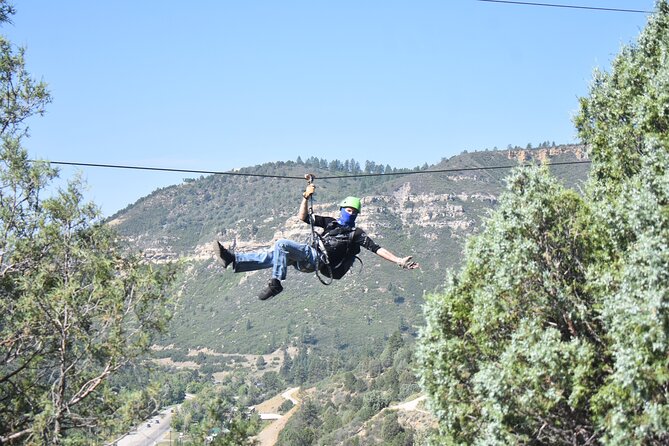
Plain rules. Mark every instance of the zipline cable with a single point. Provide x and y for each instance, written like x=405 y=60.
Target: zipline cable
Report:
x=290 y=177
x=165 y=169
x=554 y=5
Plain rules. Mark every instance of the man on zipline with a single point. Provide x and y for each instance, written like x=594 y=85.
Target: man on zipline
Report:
x=341 y=239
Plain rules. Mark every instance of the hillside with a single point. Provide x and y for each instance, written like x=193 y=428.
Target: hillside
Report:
x=428 y=215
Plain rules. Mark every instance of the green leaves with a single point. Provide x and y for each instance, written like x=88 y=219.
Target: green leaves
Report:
x=77 y=310
x=74 y=308
x=518 y=317
x=557 y=329
x=627 y=106
x=537 y=388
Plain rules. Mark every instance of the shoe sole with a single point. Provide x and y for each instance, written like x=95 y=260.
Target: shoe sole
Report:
x=274 y=292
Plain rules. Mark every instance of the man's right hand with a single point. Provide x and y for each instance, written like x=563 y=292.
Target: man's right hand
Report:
x=407 y=263
x=309 y=191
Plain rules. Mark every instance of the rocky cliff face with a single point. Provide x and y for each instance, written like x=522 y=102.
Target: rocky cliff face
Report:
x=545 y=155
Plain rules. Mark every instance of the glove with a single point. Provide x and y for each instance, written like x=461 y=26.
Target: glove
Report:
x=309 y=191
x=407 y=263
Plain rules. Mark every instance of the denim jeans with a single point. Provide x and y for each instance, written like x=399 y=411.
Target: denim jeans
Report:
x=285 y=253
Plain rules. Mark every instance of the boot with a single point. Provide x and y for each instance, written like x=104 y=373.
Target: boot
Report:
x=273 y=288
x=223 y=256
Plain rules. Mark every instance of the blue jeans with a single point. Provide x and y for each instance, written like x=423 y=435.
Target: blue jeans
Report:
x=285 y=253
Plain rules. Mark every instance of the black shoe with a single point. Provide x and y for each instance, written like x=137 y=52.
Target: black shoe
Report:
x=273 y=288
x=223 y=256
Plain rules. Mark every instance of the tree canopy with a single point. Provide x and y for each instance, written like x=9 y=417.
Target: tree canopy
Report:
x=74 y=308
x=556 y=330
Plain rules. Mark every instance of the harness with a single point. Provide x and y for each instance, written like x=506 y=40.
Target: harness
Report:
x=339 y=239
x=330 y=238
x=316 y=242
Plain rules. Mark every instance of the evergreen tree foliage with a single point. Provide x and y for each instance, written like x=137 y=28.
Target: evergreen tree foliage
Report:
x=513 y=334
x=74 y=310
x=556 y=331
x=393 y=433
x=214 y=417
x=625 y=121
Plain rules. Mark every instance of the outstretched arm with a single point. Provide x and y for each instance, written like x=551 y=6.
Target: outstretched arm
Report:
x=303 y=213
x=403 y=262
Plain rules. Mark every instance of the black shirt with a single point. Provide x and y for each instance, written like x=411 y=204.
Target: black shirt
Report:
x=338 y=252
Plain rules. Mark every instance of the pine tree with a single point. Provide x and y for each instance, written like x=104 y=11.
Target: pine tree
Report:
x=74 y=308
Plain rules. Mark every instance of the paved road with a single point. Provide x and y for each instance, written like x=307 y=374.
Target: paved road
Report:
x=151 y=434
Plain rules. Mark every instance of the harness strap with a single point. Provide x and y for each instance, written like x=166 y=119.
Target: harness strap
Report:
x=317 y=241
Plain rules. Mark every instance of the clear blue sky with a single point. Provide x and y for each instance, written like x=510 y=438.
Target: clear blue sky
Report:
x=216 y=85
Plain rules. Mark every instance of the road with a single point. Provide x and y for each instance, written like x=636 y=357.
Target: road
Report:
x=151 y=434
x=270 y=435
x=411 y=405
x=289 y=395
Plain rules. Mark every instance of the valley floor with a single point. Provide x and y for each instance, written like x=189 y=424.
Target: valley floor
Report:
x=268 y=411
